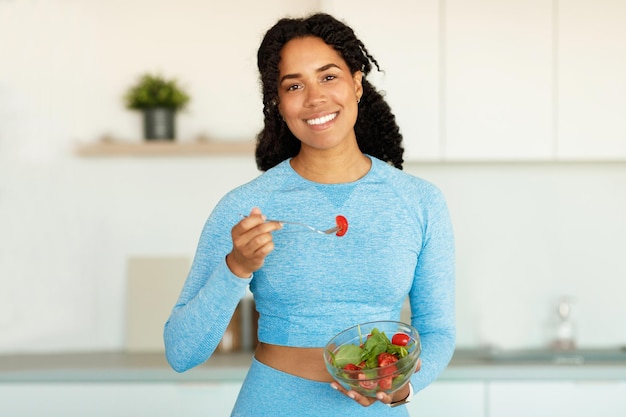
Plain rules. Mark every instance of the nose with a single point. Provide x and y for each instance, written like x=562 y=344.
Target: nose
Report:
x=314 y=95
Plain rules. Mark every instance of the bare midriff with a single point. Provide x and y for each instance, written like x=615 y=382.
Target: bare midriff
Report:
x=306 y=363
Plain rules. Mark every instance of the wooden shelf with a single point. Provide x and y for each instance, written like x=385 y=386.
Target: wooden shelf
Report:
x=165 y=148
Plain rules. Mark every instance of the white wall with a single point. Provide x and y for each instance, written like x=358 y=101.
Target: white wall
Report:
x=527 y=233
x=68 y=225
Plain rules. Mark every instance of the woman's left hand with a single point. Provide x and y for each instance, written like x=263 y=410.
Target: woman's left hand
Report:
x=362 y=399
x=380 y=396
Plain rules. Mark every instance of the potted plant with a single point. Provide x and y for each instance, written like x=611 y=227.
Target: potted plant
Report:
x=159 y=99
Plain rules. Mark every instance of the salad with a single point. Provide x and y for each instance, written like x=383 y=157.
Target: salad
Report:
x=375 y=362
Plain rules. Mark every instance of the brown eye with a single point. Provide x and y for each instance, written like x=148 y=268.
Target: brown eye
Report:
x=293 y=87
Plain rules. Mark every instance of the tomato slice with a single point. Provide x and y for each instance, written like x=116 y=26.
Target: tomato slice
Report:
x=367 y=383
x=385 y=383
x=385 y=362
x=342 y=224
x=385 y=359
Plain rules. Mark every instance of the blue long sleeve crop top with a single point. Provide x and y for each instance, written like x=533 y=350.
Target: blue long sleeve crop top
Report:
x=399 y=244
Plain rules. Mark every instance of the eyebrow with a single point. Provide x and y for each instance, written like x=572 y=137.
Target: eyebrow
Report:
x=320 y=69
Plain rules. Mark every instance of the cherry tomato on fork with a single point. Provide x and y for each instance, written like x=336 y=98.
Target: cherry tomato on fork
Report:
x=342 y=224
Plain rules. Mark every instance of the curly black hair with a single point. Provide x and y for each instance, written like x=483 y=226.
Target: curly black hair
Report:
x=376 y=129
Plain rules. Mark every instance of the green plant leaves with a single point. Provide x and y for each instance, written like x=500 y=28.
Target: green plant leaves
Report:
x=155 y=91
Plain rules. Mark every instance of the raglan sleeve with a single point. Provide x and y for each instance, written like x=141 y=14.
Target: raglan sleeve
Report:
x=432 y=296
x=208 y=298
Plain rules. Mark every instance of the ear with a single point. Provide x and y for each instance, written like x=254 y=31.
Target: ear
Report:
x=357 y=77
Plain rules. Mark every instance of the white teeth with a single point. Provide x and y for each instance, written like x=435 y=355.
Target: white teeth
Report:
x=322 y=120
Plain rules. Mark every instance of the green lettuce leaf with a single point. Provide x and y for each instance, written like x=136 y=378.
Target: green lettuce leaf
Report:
x=347 y=354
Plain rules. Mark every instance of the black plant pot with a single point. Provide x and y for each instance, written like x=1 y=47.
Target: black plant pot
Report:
x=159 y=124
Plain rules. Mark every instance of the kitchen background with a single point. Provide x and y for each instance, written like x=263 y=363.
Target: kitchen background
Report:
x=516 y=109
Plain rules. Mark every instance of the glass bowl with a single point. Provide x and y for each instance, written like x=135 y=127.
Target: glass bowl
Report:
x=340 y=358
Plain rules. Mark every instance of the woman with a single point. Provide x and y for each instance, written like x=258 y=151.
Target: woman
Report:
x=330 y=146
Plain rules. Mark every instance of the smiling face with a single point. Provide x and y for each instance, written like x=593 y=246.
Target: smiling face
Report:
x=318 y=94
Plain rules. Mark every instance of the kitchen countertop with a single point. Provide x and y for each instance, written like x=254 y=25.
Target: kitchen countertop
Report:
x=466 y=365
x=537 y=364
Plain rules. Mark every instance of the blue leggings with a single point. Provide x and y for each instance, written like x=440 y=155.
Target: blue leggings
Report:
x=267 y=392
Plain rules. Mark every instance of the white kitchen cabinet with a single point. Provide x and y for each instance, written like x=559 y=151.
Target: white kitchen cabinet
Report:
x=557 y=398
x=441 y=399
x=118 y=399
x=468 y=80
x=498 y=80
x=592 y=80
x=404 y=38
x=449 y=399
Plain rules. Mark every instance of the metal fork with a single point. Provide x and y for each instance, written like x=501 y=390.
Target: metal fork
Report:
x=311 y=228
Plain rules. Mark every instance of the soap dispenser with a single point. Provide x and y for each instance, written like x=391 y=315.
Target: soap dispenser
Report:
x=565 y=332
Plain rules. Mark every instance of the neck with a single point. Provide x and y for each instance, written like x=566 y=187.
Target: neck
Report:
x=331 y=168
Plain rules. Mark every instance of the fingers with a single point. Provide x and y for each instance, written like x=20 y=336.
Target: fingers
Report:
x=255 y=211
x=361 y=399
x=384 y=398
x=252 y=235
x=380 y=396
x=252 y=242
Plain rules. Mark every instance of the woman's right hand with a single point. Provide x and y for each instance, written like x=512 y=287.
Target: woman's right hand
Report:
x=252 y=242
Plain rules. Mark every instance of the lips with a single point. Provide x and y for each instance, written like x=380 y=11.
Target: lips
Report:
x=321 y=120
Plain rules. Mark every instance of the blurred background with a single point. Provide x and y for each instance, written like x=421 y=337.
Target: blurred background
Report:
x=516 y=109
